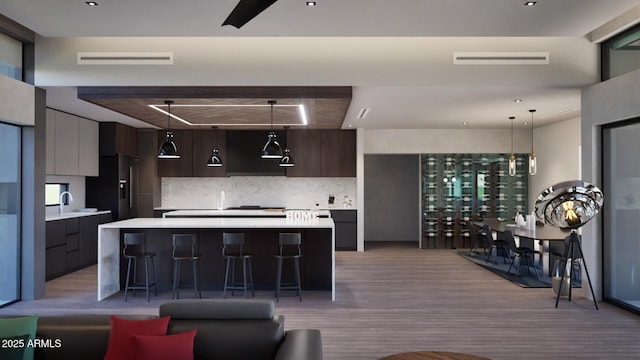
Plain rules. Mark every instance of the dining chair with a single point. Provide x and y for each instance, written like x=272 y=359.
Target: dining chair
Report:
x=521 y=252
x=497 y=245
x=478 y=236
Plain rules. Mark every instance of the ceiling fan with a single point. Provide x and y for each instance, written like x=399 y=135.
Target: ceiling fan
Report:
x=246 y=10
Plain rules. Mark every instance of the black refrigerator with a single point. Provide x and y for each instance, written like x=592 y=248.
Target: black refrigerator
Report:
x=113 y=189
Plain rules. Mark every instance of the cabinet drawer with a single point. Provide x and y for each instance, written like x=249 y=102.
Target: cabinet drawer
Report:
x=73 y=260
x=73 y=225
x=56 y=261
x=73 y=241
x=56 y=232
x=344 y=215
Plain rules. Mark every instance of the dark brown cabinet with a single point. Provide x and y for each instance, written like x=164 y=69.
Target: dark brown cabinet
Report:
x=306 y=149
x=346 y=229
x=117 y=139
x=72 y=244
x=204 y=141
x=318 y=153
x=182 y=167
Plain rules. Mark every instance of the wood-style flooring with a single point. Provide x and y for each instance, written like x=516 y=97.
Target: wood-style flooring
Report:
x=397 y=298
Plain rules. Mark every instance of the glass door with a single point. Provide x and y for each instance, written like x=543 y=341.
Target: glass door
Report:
x=621 y=212
x=10 y=208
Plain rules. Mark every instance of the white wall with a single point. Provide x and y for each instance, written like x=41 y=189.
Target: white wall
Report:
x=557 y=148
x=424 y=141
x=276 y=191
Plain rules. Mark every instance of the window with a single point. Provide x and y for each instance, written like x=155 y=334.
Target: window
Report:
x=620 y=245
x=10 y=57
x=52 y=194
x=621 y=53
x=10 y=210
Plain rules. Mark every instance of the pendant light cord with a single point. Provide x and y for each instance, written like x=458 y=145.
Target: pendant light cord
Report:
x=272 y=102
x=168 y=102
x=511 y=118
x=532 y=111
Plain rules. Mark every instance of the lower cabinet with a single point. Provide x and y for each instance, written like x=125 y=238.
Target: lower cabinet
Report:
x=346 y=227
x=72 y=244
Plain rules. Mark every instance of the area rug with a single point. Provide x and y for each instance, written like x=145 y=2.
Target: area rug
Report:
x=526 y=279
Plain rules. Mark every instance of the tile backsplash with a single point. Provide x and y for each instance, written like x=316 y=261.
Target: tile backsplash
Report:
x=275 y=191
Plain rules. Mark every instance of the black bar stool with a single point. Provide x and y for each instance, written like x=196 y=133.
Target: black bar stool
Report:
x=135 y=247
x=289 y=250
x=185 y=248
x=232 y=250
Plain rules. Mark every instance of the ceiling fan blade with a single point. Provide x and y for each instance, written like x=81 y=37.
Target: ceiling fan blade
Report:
x=245 y=11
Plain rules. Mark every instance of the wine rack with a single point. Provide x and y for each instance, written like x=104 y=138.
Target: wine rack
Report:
x=457 y=188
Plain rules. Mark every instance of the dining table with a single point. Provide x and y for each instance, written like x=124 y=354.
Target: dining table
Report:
x=550 y=238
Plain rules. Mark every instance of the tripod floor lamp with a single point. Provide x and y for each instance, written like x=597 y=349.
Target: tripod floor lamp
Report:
x=570 y=205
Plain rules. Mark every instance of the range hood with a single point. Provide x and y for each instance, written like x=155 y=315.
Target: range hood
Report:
x=244 y=148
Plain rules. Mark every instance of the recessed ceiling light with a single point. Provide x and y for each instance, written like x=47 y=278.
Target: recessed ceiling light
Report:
x=529 y=3
x=465 y=123
x=311 y=3
x=91 y=3
x=518 y=100
x=525 y=123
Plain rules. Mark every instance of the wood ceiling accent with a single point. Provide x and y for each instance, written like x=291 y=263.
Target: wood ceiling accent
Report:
x=326 y=106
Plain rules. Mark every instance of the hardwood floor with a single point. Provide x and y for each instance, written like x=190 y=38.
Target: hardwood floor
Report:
x=393 y=299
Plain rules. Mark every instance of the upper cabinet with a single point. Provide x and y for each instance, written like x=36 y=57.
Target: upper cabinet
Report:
x=204 y=141
x=88 y=137
x=316 y=153
x=182 y=167
x=117 y=139
x=72 y=145
x=322 y=153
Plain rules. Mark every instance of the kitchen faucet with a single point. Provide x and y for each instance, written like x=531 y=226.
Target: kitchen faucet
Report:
x=221 y=204
x=70 y=197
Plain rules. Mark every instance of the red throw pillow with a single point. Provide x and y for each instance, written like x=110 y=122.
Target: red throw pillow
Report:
x=121 y=345
x=169 y=347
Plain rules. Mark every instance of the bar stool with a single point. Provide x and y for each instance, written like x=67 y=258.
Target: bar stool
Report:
x=289 y=250
x=135 y=247
x=185 y=248
x=232 y=250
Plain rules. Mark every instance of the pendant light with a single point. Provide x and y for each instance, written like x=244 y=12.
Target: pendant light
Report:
x=272 y=149
x=512 y=158
x=287 y=160
x=533 y=166
x=168 y=150
x=214 y=159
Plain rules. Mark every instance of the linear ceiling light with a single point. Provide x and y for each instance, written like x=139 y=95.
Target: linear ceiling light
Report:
x=302 y=113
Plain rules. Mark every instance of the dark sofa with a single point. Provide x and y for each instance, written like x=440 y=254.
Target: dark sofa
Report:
x=226 y=329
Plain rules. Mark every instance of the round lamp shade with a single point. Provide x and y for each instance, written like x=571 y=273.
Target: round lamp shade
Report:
x=569 y=204
x=272 y=149
x=168 y=150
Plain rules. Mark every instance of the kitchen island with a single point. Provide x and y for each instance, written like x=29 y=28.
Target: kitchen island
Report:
x=235 y=213
x=261 y=233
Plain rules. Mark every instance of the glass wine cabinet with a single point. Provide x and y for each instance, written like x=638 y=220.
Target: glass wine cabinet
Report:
x=457 y=188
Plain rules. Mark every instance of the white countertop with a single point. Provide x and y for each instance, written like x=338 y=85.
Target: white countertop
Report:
x=220 y=222
x=74 y=214
x=235 y=213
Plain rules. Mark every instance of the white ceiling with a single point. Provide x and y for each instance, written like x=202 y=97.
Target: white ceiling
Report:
x=397 y=54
